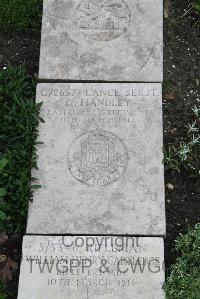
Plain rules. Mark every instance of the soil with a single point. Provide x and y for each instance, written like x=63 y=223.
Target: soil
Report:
x=12 y=248
x=181 y=91
x=20 y=49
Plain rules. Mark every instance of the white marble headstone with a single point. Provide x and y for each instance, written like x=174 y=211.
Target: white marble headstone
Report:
x=91 y=268
x=100 y=164
x=109 y=40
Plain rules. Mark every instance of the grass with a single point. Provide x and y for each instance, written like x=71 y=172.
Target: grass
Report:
x=185 y=154
x=3 y=292
x=196 y=5
x=19 y=116
x=184 y=279
x=20 y=15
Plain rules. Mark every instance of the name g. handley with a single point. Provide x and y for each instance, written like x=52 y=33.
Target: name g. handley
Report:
x=105 y=102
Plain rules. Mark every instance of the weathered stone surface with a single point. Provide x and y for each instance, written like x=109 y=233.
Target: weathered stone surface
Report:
x=91 y=268
x=100 y=166
x=111 y=40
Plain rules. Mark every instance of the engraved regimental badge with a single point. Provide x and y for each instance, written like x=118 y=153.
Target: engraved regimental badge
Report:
x=103 y=20
x=97 y=158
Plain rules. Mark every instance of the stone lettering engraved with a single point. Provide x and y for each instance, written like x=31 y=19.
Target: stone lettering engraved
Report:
x=103 y=20
x=97 y=158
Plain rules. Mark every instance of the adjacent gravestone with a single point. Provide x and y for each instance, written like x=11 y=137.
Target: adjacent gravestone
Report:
x=91 y=268
x=100 y=164
x=110 y=40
